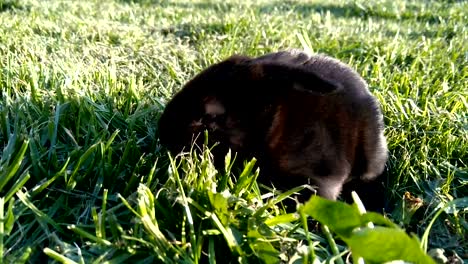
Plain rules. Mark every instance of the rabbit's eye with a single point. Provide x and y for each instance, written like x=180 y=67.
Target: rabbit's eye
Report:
x=208 y=118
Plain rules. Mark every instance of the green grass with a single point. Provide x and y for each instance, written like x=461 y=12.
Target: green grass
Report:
x=82 y=83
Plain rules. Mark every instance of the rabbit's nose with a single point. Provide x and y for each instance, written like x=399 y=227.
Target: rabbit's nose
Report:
x=196 y=126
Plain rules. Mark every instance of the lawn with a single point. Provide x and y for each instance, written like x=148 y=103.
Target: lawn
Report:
x=83 y=178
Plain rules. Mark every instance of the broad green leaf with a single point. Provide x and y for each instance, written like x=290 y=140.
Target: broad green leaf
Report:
x=383 y=244
x=340 y=217
x=378 y=219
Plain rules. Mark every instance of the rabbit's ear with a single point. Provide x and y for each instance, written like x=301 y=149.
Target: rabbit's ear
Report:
x=297 y=77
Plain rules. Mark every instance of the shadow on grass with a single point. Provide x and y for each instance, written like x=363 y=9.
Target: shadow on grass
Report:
x=10 y=5
x=194 y=32
x=305 y=9
x=347 y=11
x=184 y=5
x=144 y=1
x=205 y=5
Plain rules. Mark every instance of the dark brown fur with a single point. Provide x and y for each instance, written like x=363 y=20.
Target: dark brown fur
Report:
x=307 y=119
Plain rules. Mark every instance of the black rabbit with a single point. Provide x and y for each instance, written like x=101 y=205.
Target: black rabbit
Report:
x=307 y=119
